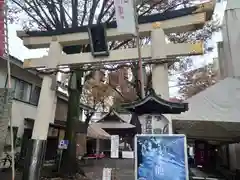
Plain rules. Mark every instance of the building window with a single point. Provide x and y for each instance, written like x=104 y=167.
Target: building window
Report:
x=3 y=77
x=22 y=89
x=35 y=95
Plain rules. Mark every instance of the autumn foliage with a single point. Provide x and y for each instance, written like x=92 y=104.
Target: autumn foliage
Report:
x=195 y=81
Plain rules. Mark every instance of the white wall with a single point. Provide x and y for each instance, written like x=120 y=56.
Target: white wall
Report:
x=234 y=156
x=19 y=73
x=20 y=111
x=3 y=77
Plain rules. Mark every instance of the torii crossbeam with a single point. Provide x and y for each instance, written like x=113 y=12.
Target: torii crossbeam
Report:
x=116 y=56
x=183 y=20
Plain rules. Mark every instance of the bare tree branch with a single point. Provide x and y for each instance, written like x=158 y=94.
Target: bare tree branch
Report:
x=74 y=13
x=93 y=11
x=54 y=13
x=64 y=22
x=84 y=12
x=41 y=24
x=101 y=14
x=38 y=4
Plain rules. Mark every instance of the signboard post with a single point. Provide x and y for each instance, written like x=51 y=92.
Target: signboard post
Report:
x=107 y=173
x=148 y=129
x=114 y=146
x=161 y=157
x=63 y=144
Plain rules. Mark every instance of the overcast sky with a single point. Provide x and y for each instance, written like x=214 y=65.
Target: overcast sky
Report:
x=18 y=50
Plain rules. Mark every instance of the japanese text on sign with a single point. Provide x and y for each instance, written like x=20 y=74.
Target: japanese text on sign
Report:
x=120 y=9
x=125 y=16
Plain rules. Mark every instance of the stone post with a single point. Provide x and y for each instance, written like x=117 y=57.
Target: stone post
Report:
x=160 y=71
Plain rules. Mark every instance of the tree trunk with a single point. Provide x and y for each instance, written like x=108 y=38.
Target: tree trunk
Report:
x=81 y=136
x=69 y=163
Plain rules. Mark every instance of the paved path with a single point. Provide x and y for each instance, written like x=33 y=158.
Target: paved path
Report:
x=8 y=175
x=125 y=168
x=198 y=174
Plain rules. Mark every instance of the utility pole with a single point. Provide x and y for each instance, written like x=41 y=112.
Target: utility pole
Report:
x=138 y=43
x=6 y=53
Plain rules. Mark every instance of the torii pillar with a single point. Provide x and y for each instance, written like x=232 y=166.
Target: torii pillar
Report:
x=160 y=71
x=45 y=115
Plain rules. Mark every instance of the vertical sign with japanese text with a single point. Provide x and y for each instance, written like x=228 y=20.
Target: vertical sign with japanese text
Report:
x=114 y=146
x=106 y=174
x=125 y=16
x=2 y=28
x=148 y=125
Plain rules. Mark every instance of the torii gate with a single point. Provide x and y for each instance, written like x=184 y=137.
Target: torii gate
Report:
x=159 y=51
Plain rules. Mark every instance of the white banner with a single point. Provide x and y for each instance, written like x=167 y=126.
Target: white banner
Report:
x=125 y=16
x=147 y=124
x=128 y=154
x=114 y=146
x=106 y=174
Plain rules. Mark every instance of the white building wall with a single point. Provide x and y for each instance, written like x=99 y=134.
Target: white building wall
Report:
x=20 y=111
x=229 y=60
x=234 y=156
x=3 y=77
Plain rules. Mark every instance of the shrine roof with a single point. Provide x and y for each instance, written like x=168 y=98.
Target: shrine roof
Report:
x=112 y=120
x=206 y=7
x=154 y=104
x=111 y=116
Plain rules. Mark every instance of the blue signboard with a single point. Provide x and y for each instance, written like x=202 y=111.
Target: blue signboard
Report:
x=63 y=144
x=161 y=157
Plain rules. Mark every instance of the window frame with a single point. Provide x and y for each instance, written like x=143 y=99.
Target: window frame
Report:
x=14 y=88
x=30 y=100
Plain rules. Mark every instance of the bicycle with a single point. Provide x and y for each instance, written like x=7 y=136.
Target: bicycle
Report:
x=6 y=162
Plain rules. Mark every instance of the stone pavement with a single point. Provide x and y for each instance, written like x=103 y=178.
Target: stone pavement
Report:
x=124 y=167
x=93 y=170
x=7 y=175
